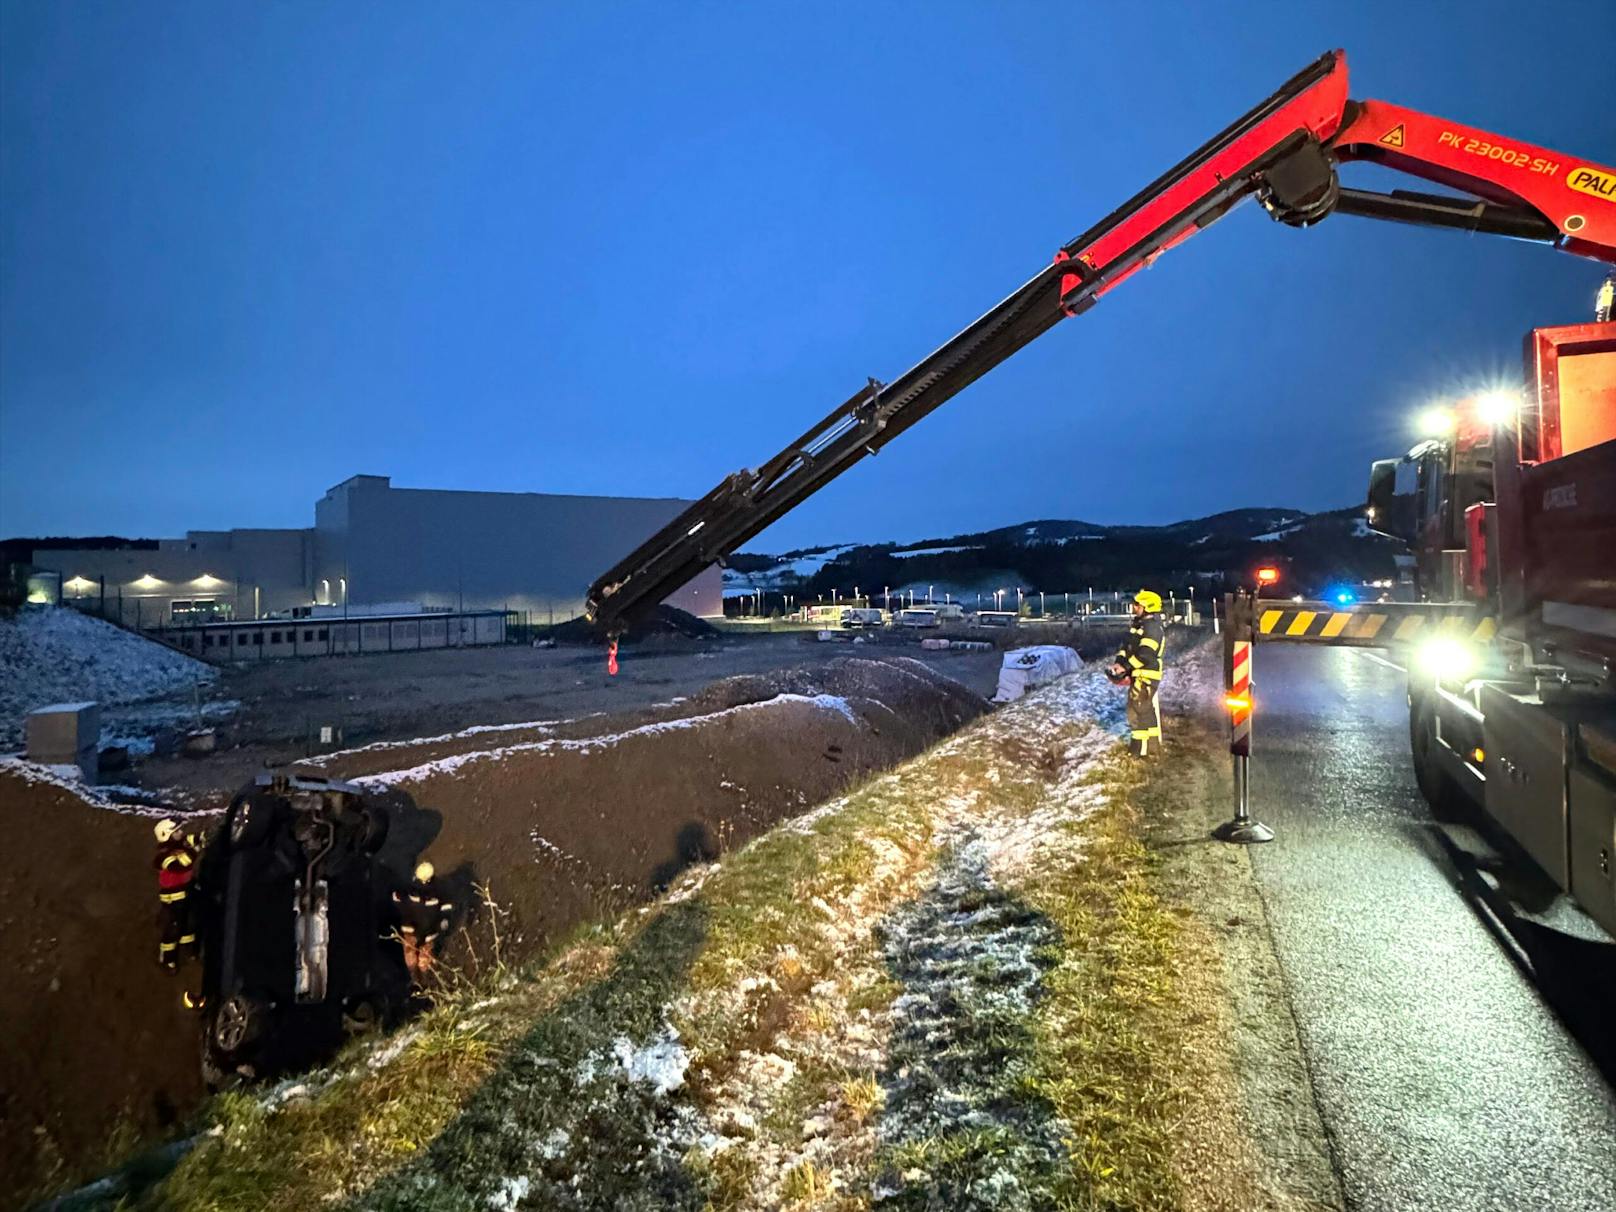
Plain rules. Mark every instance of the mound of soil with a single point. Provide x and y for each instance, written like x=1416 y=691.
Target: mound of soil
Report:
x=563 y=821
x=94 y=1031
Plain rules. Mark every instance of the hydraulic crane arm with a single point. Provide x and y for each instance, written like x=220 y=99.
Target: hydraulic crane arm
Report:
x=1284 y=153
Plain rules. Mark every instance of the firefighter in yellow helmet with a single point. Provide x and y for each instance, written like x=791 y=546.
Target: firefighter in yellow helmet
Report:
x=1139 y=667
x=176 y=859
x=423 y=916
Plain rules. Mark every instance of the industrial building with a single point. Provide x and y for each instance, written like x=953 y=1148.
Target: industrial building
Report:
x=373 y=544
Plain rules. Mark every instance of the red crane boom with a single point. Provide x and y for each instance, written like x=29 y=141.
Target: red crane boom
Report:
x=1284 y=153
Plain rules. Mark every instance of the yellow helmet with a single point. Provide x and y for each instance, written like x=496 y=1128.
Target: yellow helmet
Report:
x=166 y=829
x=425 y=872
x=1149 y=599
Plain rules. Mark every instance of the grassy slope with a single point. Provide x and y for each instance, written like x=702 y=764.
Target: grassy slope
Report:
x=960 y=986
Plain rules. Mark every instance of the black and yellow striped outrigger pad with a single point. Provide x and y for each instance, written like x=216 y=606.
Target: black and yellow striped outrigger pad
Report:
x=1369 y=624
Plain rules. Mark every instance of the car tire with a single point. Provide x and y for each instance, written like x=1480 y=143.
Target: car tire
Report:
x=251 y=819
x=236 y=1025
x=1448 y=804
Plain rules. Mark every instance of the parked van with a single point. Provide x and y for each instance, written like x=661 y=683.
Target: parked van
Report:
x=995 y=618
x=918 y=617
x=863 y=616
x=947 y=612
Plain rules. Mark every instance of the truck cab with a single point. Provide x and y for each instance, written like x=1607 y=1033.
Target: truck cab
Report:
x=1422 y=498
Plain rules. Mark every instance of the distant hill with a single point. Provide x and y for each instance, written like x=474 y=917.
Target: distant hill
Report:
x=1314 y=551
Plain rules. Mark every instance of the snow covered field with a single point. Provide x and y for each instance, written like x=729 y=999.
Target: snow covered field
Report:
x=54 y=654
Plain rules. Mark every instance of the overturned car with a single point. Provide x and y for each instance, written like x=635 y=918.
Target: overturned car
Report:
x=292 y=919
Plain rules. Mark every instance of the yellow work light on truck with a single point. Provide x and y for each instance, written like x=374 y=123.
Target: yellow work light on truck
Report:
x=1445 y=658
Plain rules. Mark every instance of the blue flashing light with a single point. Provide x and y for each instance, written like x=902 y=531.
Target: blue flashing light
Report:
x=1345 y=597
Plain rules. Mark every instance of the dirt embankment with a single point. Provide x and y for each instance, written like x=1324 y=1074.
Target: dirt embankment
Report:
x=569 y=820
x=94 y=1040
x=562 y=820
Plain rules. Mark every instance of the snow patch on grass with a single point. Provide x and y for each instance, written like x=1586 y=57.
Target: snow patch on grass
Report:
x=393 y=1049
x=960 y=1129
x=659 y=1062
x=511 y=1193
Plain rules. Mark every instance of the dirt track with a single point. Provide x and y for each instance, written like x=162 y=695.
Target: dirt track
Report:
x=562 y=820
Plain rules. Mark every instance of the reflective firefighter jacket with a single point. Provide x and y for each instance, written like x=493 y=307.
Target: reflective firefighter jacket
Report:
x=176 y=867
x=1141 y=653
x=422 y=910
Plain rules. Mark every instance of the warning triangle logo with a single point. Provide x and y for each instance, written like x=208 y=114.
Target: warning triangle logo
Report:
x=1393 y=137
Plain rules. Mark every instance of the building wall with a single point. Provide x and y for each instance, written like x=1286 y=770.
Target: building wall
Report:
x=271 y=639
x=255 y=572
x=374 y=543
x=536 y=552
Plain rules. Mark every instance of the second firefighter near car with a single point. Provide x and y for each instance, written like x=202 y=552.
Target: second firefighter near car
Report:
x=423 y=916
x=1139 y=667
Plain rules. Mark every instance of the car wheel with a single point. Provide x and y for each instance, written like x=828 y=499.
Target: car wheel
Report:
x=1448 y=803
x=251 y=819
x=237 y=1023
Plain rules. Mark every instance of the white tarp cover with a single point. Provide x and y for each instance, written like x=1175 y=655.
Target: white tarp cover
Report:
x=1027 y=669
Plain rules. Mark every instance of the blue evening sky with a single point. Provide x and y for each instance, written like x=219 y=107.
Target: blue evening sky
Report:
x=247 y=250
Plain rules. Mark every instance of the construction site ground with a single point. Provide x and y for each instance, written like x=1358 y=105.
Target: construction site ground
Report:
x=994 y=976
x=272 y=713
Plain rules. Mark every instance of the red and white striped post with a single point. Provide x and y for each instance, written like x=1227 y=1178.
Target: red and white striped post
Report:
x=1238 y=699
x=1237 y=666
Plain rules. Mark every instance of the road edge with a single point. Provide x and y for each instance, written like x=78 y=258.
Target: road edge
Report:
x=1213 y=888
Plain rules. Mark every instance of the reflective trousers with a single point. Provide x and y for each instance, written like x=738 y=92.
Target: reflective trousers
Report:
x=1144 y=718
x=178 y=939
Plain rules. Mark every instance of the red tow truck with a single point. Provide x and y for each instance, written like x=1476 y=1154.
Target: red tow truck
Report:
x=1510 y=507
x=1527 y=529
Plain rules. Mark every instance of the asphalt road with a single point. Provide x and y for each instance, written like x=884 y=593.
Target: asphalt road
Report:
x=1443 y=1078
